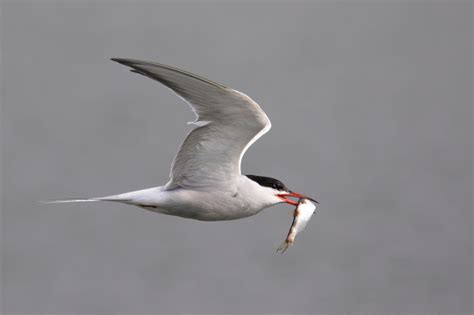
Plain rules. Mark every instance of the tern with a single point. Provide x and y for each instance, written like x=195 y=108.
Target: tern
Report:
x=205 y=181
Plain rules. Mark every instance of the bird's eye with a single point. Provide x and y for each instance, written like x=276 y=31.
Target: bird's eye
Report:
x=277 y=186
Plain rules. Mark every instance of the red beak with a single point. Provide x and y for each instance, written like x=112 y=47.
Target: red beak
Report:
x=284 y=198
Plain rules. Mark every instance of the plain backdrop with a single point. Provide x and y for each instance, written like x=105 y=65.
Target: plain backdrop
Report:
x=371 y=108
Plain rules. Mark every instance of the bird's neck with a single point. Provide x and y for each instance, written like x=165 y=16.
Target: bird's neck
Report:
x=257 y=196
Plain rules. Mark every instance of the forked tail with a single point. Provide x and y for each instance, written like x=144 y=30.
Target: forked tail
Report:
x=68 y=200
x=117 y=198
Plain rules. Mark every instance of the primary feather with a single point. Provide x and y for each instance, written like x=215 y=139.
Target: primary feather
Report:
x=227 y=123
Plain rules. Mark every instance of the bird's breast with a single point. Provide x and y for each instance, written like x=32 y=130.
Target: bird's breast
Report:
x=205 y=205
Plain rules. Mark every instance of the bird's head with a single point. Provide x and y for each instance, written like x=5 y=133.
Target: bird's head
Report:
x=279 y=190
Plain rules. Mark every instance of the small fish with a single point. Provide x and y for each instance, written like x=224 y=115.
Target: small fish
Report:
x=301 y=215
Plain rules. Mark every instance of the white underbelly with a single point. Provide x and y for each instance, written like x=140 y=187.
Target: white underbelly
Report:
x=205 y=206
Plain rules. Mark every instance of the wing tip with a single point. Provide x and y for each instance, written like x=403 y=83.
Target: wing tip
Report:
x=123 y=61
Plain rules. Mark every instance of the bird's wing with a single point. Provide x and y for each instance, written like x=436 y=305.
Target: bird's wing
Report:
x=227 y=123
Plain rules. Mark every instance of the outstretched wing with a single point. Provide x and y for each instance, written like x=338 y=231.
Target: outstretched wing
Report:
x=227 y=123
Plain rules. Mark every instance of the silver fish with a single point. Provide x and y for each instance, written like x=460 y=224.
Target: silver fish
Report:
x=301 y=215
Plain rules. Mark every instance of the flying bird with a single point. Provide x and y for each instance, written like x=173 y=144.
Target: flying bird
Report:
x=206 y=182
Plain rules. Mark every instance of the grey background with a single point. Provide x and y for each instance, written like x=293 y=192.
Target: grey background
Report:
x=371 y=109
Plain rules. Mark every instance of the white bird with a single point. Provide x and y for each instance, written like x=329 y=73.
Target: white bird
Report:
x=206 y=182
